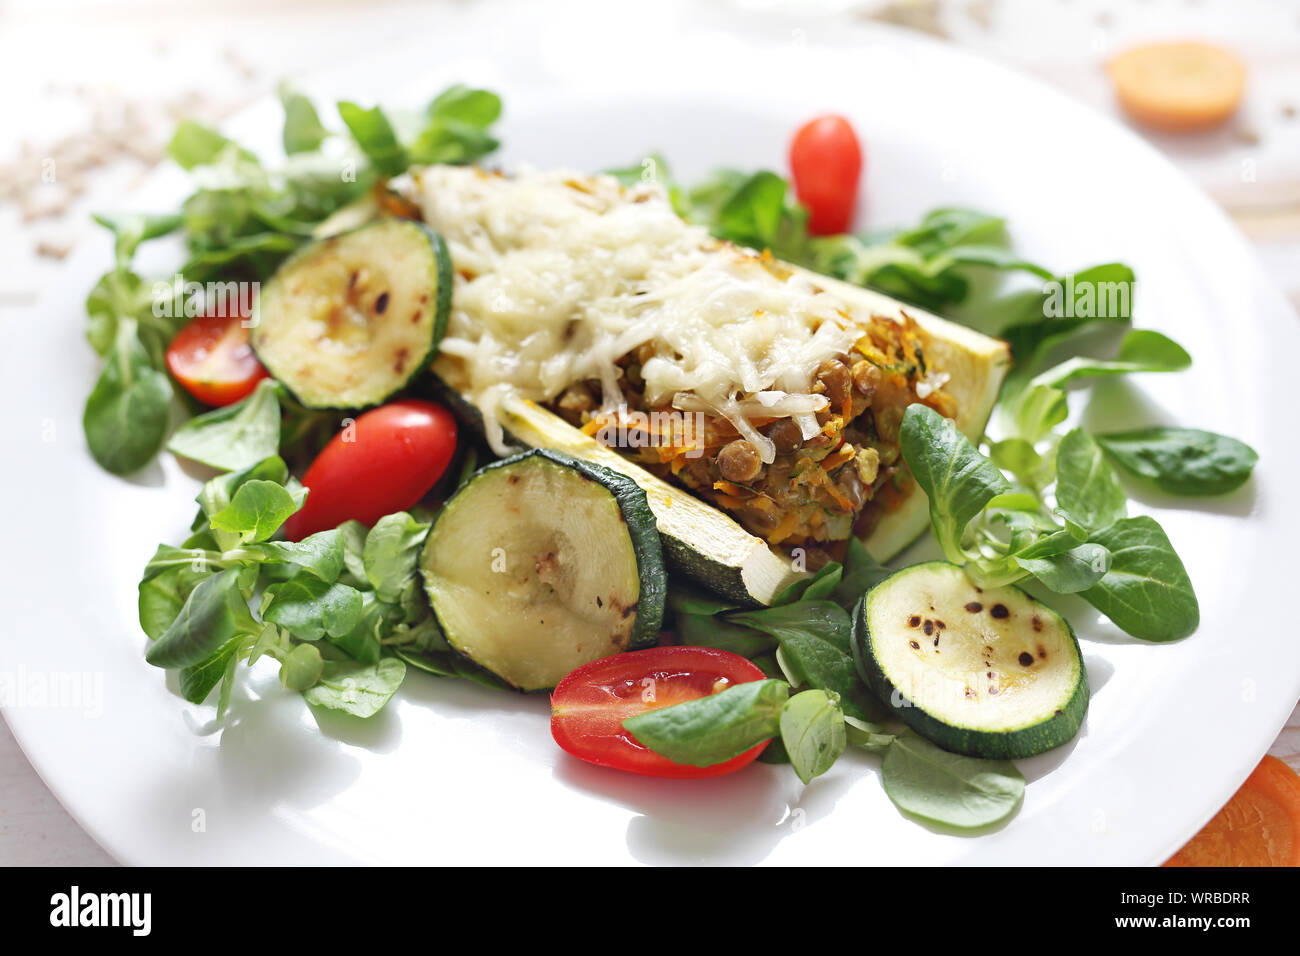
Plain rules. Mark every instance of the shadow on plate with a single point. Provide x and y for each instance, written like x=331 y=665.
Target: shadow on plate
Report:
x=1099 y=672
x=260 y=757
x=150 y=476
x=733 y=820
x=426 y=689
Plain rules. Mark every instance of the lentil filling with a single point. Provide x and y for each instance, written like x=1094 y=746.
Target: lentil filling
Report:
x=818 y=491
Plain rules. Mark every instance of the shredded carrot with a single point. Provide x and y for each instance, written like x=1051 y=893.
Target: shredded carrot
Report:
x=837 y=458
x=837 y=496
x=1260 y=826
x=785 y=528
x=730 y=488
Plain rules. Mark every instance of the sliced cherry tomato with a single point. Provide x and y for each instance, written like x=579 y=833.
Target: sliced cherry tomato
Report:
x=826 y=163
x=385 y=461
x=212 y=359
x=589 y=706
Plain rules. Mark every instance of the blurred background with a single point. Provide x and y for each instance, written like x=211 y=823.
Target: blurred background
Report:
x=94 y=89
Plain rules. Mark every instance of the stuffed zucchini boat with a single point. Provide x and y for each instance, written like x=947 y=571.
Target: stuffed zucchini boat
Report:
x=769 y=392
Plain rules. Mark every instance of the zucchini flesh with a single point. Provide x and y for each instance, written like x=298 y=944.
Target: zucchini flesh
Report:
x=349 y=320
x=985 y=672
x=542 y=563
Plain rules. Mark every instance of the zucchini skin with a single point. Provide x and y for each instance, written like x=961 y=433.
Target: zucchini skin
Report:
x=640 y=521
x=1030 y=741
x=442 y=312
x=442 y=315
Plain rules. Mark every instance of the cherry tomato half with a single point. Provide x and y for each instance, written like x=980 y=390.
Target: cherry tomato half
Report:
x=826 y=163
x=385 y=461
x=589 y=706
x=212 y=359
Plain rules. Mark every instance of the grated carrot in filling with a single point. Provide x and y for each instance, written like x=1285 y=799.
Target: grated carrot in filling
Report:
x=785 y=529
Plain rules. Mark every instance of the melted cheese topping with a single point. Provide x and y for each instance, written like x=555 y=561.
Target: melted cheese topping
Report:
x=559 y=275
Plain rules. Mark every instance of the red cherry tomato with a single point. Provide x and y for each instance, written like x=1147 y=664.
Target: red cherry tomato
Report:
x=826 y=162
x=212 y=359
x=385 y=461
x=589 y=706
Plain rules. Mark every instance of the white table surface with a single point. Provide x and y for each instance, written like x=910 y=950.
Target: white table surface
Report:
x=126 y=69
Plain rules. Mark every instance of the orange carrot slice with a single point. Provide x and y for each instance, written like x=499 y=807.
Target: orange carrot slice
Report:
x=1260 y=826
x=1178 y=86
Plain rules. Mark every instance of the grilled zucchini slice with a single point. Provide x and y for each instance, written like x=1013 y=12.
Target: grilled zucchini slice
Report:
x=543 y=562
x=349 y=320
x=984 y=672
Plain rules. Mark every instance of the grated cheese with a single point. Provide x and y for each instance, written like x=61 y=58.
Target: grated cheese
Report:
x=560 y=275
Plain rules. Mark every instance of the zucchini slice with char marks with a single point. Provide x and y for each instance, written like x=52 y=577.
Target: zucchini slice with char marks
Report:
x=983 y=672
x=348 y=321
x=542 y=563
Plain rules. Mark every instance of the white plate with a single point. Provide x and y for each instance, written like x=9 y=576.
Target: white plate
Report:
x=452 y=773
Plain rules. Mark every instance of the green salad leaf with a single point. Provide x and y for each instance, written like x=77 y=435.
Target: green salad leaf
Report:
x=457 y=124
x=358 y=689
x=129 y=410
x=860 y=574
x=214 y=613
x=302 y=668
x=957 y=479
x=303 y=132
x=1142 y=350
x=867 y=735
x=1182 y=461
x=1146 y=590
x=320 y=554
x=812 y=732
x=1068 y=571
x=198 y=680
x=1037 y=325
x=949 y=789
x=194 y=145
x=713 y=729
x=813 y=636
x=375 y=134
x=235 y=436
x=1088 y=492
x=310 y=608
x=820 y=584
x=163 y=594
x=703 y=630
x=257 y=510
x=390 y=553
